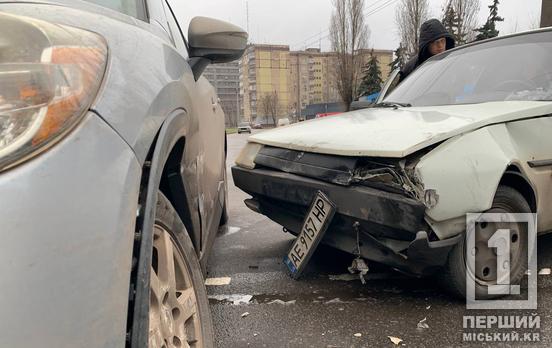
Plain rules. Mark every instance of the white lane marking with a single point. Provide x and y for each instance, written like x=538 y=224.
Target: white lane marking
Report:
x=217 y=281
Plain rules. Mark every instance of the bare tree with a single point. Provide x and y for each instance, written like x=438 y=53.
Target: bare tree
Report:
x=409 y=16
x=349 y=34
x=467 y=12
x=270 y=105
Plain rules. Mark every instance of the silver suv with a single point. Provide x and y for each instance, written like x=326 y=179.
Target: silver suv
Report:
x=112 y=172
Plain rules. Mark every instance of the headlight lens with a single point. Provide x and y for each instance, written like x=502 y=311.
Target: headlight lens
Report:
x=246 y=158
x=49 y=77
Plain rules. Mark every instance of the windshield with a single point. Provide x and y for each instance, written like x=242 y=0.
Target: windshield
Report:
x=516 y=68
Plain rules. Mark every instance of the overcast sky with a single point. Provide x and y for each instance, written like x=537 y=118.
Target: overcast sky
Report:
x=301 y=23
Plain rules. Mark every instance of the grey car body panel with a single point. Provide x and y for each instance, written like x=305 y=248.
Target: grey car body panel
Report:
x=148 y=85
x=150 y=94
x=65 y=261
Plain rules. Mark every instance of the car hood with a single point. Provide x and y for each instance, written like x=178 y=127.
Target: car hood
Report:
x=388 y=132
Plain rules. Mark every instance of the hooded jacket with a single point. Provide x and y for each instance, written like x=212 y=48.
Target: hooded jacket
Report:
x=430 y=31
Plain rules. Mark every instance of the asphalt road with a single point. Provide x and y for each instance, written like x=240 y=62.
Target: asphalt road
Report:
x=317 y=311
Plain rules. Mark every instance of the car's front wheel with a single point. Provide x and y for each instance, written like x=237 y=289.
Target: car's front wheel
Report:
x=178 y=307
x=507 y=201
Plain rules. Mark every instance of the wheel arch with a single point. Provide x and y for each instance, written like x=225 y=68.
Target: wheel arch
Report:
x=160 y=171
x=515 y=178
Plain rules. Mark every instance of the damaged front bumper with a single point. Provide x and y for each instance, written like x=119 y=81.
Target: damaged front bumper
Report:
x=392 y=229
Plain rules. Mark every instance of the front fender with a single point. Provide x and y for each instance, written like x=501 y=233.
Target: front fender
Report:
x=465 y=171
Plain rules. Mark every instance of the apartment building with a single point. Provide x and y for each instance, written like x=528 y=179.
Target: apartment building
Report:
x=264 y=70
x=299 y=78
x=312 y=78
x=226 y=80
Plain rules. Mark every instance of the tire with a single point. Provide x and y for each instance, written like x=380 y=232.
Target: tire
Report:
x=179 y=309
x=507 y=200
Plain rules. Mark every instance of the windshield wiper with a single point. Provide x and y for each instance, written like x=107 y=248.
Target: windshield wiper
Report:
x=392 y=105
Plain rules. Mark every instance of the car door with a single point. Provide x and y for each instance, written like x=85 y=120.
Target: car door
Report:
x=533 y=143
x=210 y=161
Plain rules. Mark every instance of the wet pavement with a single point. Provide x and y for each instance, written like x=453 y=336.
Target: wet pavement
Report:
x=263 y=307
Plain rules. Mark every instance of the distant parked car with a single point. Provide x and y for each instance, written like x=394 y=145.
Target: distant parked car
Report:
x=244 y=128
x=468 y=132
x=283 y=122
x=112 y=172
x=326 y=114
x=257 y=125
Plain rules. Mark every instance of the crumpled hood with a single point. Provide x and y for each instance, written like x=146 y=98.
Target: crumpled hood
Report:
x=388 y=132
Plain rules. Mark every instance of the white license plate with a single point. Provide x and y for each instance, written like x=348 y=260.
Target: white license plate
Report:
x=316 y=222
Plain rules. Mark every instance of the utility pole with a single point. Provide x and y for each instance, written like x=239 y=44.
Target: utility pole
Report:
x=247 y=15
x=546 y=14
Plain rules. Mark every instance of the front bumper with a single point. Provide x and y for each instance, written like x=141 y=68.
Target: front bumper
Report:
x=67 y=225
x=393 y=230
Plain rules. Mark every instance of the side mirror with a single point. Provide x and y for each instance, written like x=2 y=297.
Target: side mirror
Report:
x=214 y=41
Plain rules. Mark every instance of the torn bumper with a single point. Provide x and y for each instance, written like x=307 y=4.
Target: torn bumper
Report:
x=393 y=228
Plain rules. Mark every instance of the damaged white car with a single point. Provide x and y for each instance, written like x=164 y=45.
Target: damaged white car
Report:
x=470 y=131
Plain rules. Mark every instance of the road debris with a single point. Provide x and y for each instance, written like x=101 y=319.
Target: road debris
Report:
x=217 y=281
x=428 y=307
x=358 y=335
x=245 y=314
x=336 y=300
x=232 y=230
x=283 y=303
x=359 y=265
x=234 y=299
x=343 y=277
x=422 y=324
x=395 y=340
x=545 y=271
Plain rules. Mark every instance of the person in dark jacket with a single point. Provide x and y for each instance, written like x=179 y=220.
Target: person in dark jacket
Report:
x=434 y=39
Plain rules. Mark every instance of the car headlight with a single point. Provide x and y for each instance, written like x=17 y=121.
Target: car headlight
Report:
x=49 y=77
x=246 y=158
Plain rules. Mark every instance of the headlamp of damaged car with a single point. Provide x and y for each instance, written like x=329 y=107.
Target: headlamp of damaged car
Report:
x=49 y=77
x=246 y=158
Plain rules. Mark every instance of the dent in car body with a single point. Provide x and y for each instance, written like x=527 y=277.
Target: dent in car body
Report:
x=466 y=171
x=390 y=133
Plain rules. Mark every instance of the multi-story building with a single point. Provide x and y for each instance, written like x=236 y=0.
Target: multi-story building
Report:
x=264 y=71
x=302 y=78
x=226 y=80
x=299 y=78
